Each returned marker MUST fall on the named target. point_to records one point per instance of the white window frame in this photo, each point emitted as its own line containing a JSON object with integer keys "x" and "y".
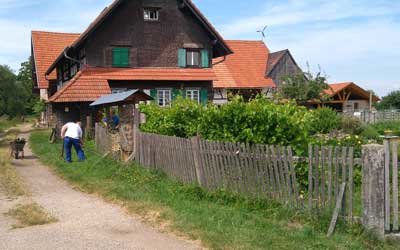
{"x": 190, "y": 94}
{"x": 164, "y": 97}
{"x": 150, "y": 14}
{"x": 191, "y": 63}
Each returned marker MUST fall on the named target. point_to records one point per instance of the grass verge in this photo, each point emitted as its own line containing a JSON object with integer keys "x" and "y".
{"x": 220, "y": 220}
{"x": 30, "y": 215}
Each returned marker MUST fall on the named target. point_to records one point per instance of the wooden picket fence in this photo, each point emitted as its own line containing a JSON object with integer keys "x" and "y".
{"x": 329, "y": 168}
{"x": 259, "y": 171}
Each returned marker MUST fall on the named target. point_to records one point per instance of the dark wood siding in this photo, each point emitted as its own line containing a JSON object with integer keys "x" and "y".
{"x": 285, "y": 67}
{"x": 152, "y": 43}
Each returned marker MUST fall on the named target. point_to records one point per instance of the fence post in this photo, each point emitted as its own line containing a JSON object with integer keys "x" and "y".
{"x": 373, "y": 188}
{"x": 197, "y": 160}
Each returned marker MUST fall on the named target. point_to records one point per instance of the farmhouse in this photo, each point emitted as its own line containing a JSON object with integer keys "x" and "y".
{"x": 166, "y": 48}
{"x": 348, "y": 97}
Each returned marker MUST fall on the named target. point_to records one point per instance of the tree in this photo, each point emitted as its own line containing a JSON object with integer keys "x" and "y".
{"x": 304, "y": 87}
{"x": 24, "y": 79}
{"x": 391, "y": 101}
{"x": 15, "y": 91}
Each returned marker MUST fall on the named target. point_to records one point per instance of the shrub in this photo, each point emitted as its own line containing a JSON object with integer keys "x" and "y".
{"x": 258, "y": 121}
{"x": 324, "y": 120}
{"x": 351, "y": 125}
{"x": 181, "y": 119}
{"x": 381, "y": 127}
{"x": 370, "y": 133}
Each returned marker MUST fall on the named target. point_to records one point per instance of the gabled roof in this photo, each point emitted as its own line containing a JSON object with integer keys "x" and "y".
{"x": 274, "y": 59}
{"x": 336, "y": 88}
{"x": 91, "y": 83}
{"x": 246, "y": 68}
{"x": 46, "y": 47}
{"x": 108, "y": 11}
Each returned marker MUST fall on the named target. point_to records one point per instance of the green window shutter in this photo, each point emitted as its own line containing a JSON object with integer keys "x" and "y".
{"x": 182, "y": 58}
{"x": 121, "y": 57}
{"x": 204, "y": 96}
{"x": 153, "y": 93}
{"x": 205, "y": 58}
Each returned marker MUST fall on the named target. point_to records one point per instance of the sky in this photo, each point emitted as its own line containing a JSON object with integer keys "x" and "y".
{"x": 347, "y": 40}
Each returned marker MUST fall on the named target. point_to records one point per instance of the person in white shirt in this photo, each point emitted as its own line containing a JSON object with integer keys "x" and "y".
{"x": 72, "y": 136}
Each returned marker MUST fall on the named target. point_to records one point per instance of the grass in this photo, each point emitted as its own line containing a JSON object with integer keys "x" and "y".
{"x": 30, "y": 215}
{"x": 10, "y": 182}
{"x": 220, "y": 220}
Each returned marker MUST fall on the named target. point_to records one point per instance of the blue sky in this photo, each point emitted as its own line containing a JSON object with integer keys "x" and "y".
{"x": 350, "y": 40}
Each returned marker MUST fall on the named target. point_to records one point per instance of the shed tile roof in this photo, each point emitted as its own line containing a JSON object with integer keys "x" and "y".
{"x": 47, "y": 46}
{"x": 335, "y": 88}
{"x": 91, "y": 83}
{"x": 245, "y": 68}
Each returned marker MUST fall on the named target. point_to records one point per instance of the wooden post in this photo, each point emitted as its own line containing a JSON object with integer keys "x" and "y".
{"x": 310, "y": 177}
{"x": 197, "y": 160}
{"x": 373, "y": 188}
{"x": 386, "y": 144}
{"x": 395, "y": 161}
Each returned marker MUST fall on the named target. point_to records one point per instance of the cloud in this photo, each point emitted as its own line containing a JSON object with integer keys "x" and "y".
{"x": 19, "y": 17}
{"x": 296, "y": 12}
{"x": 352, "y": 40}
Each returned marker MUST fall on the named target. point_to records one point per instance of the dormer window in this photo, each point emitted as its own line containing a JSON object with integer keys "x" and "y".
{"x": 151, "y": 14}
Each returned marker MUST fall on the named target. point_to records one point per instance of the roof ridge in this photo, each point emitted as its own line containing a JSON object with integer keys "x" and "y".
{"x": 245, "y": 40}
{"x": 280, "y": 51}
{"x": 54, "y": 32}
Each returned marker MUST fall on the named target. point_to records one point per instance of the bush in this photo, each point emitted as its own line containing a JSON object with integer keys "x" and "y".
{"x": 352, "y": 125}
{"x": 324, "y": 120}
{"x": 370, "y": 133}
{"x": 381, "y": 127}
{"x": 258, "y": 121}
{"x": 181, "y": 119}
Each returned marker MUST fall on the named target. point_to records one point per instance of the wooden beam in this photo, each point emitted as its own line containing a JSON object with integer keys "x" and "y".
{"x": 348, "y": 96}
{"x": 337, "y": 210}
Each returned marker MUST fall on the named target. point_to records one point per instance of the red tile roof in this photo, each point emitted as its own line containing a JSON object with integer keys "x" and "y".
{"x": 82, "y": 88}
{"x": 47, "y": 46}
{"x": 246, "y": 68}
{"x": 91, "y": 83}
{"x": 335, "y": 88}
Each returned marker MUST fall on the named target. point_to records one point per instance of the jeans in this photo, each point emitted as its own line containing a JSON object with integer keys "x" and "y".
{"x": 68, "y": 143}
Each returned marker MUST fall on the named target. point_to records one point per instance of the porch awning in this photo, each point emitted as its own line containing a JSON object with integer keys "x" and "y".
{"x": 127, "y": 97}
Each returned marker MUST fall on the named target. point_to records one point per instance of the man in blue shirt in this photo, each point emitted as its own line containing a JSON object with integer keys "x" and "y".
{"x": 115, "y": 120}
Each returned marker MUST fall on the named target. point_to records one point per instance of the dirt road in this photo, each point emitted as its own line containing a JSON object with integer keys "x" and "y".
{"x": 85, "y": 221}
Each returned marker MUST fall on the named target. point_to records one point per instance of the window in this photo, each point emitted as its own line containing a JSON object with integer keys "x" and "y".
{"x": 164, "y": 97}
{"x": 356, "y": 106}
{"x": 193, "y": 58}
{"x": 193, "y": 94}
{"x": 120, "y": 57}
{"x": 151, "y": 15}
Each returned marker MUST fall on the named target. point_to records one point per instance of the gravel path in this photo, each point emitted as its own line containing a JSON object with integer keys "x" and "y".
{"x": 85, "y": 221}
